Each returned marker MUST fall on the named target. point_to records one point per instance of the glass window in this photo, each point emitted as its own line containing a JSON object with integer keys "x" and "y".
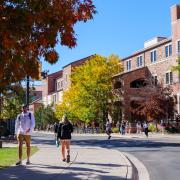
{"x": 169, "y": 78}
{"x": 139, "y": 61}
{"x": 155, "y": 80}
{"x": 153, "y": 56}
{"x": 168, "y": 50}
{"x": 61, "y": 84}
{"x": 54, "y": 98}
{"x": 179, "y": 46}
{"x": 128, "y": 65}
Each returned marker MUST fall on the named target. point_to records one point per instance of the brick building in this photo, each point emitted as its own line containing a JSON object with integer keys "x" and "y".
{"x": 152, "y": 63}
{"x": 56, "y": 83}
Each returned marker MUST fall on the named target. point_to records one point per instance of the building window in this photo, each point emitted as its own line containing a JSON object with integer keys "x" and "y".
{"x": 59, "y": 85}
{"x": 169, "y": 78}
{"x": 54, "y": 98}
{"x": 139, "y": 61}
{"x": 155, "y": 80}
{"x": 66, "y": 78}
{"x": 153, "y": 56}
{"x": 168, "y": 50}
{"x": 179, "y": 47}
{"x": 128, "y": 65}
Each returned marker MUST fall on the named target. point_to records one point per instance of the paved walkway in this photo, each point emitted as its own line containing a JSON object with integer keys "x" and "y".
{"x": 86, "y": 163}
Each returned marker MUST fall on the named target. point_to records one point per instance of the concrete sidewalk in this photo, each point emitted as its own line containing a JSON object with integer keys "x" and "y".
{"x": 86, "y": 163}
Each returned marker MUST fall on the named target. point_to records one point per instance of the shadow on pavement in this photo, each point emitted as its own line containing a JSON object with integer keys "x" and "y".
{"x": 124, "y": 143}
{"x": 22, "y": 172}
{"x": 98, "y": 164}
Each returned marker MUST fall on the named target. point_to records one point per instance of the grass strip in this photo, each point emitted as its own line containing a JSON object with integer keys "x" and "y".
{"x": 9, "y": 155}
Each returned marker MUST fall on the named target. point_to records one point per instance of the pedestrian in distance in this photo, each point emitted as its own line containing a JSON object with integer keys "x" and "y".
{"x": 138, "y": 127}
{"x": 64, "y": 131}
{"x": 55, "y": 128}
{"x": 24, "y": 126}
{"x": 123, "y": 127}
{"x": 108, "y": 129}
{"x": 146, "y": 128}
{"x": 162, "y": 127}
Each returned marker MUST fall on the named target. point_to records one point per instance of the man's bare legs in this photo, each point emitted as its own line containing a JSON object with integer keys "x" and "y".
{"x": 20, "y": 144}
{"x": 28, "y": 152}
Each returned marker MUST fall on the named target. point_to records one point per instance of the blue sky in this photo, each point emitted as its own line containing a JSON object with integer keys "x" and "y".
{"x": 120, "y": 27}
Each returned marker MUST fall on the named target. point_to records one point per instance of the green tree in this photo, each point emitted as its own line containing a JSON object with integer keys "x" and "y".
{"x": 44, "y": 115}
{"x": 11, "y": 101}
{"x": 177, "y": 68}
{"x": 90, "y": 94}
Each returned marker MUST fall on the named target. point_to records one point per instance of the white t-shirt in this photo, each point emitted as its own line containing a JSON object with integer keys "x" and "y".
{"x": 24, "y": 122}
{"x": 145, "y": 125}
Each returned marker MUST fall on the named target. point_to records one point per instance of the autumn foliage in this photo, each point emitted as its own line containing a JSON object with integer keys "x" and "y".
{"x": 89, "y": 96}
{"x": 30, "y": 29}
{"x": 159, "y": 104}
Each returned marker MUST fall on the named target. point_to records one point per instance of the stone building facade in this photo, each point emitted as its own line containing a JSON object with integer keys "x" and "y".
{"x": 153, "y": 63}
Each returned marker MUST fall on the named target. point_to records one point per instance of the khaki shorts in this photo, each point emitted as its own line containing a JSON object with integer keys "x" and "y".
{"x": 26, "y": 138}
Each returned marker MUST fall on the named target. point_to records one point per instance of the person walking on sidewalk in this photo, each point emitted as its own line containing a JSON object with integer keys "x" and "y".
{"x": 108, "y": 129}
{"x": 55, "y": 128}
{"x": 138, "y": 127}
{"x": 146, "y": 128}
{"x": 24, "y": 126}
{"x": 64, "y": 131}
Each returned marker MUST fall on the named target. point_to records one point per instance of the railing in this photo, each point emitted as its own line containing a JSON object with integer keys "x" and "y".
{"x": 87, "y": 130}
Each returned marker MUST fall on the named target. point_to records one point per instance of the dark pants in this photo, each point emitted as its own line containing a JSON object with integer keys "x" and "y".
{"x": 146, "y": 131}
{"x": 108, "y": 132}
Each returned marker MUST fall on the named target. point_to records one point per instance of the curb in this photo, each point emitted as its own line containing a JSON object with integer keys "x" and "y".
{"x": 142, "y": 170}
{"x": 129, "y": 166}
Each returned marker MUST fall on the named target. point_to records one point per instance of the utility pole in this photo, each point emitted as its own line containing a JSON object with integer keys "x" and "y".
{"x": 27, "y": 91}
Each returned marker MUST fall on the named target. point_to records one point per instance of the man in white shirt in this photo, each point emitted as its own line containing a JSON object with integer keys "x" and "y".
{"x": 24, "y": 126}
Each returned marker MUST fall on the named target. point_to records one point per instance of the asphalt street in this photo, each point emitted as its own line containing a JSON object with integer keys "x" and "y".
{"x": 160, "y": 156}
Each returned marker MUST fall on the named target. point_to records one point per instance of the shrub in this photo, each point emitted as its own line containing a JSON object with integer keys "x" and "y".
{"x": 152, "y": 128}
{"x": 115, "y": 130}
{"x": 172, "y": 130}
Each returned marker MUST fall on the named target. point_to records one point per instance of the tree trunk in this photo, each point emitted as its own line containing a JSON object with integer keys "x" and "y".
{"x": 0, "y": 144}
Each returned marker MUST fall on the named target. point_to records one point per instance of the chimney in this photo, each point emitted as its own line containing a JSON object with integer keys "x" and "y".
{"x": 175, "y": 13}
{"x": 175, "y": 25}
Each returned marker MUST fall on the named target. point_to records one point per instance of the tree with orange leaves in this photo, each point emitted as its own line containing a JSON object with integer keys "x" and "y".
{"x": 159, "y": 104}
{"x": 30, "y": 29}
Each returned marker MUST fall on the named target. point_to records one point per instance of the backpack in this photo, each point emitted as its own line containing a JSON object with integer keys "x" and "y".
{"x": 28, "y": 115}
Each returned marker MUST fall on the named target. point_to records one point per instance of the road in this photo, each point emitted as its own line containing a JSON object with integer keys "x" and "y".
{"x": 160, "y": 156}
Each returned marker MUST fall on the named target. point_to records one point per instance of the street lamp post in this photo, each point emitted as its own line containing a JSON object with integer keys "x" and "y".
{"x": 27, "y": 91}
